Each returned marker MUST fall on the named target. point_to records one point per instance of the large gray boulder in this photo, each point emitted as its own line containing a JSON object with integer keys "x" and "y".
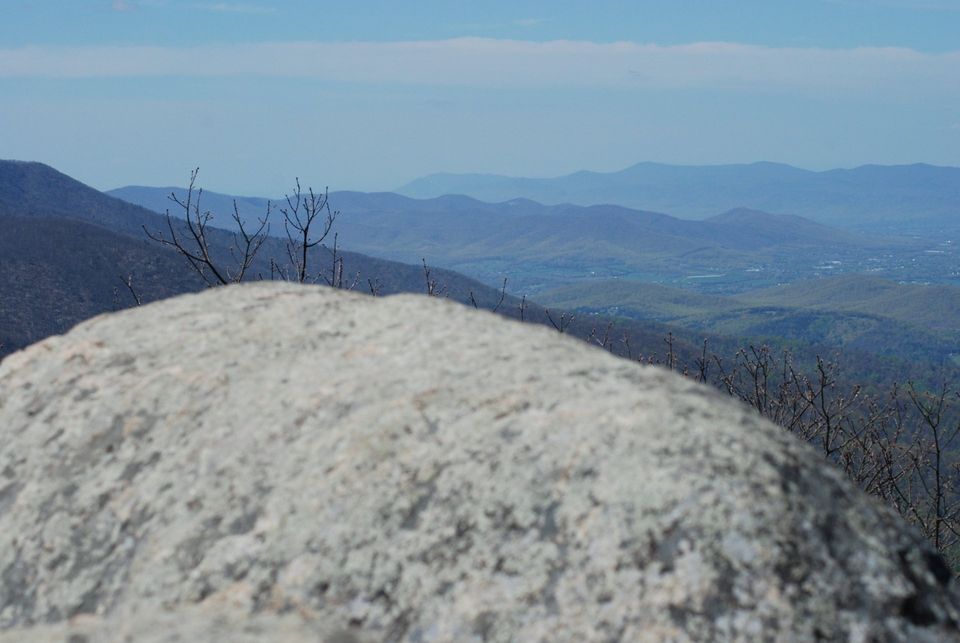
{"x": 274, "y": 462}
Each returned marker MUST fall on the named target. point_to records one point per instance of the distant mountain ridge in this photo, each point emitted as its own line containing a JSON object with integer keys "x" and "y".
{"x": 861, "y": 197}
{"x": 740, "y": 227}
{"x": 530, "y": 238}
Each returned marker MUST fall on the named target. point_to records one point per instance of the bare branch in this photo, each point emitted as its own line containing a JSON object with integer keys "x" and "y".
{"x": 128, "y": 282}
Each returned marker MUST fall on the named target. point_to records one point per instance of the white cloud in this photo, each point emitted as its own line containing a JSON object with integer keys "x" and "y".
{"x": 512, "y": 63}
{"x": 121, "y": 5}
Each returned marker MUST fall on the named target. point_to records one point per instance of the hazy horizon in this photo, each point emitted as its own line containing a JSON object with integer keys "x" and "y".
{"x": 214, "y": 189}
{"x": 371, "y": 96}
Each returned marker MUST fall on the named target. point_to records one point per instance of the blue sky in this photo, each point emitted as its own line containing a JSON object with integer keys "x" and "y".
{"x": 369, "y": 95}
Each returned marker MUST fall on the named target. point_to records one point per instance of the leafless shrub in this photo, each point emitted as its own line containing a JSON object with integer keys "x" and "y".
{"x": 304, "y": 212}
{"x": 194, "y": 243}
{"x": 562, "y": 323}
{"x": 433, "y": 286}
{"x": 308, "y": 221}
{"x": 898, "y": 446}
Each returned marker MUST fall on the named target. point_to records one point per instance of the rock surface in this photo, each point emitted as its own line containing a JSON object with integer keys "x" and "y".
{"x": 318, "y": 464}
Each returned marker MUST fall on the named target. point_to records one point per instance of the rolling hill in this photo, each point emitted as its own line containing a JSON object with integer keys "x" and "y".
{"x": 635, "y": 298}
{"x": 540, "y": 245}
{"x": 858, "y": 312}
{"x": 935, "y": 307}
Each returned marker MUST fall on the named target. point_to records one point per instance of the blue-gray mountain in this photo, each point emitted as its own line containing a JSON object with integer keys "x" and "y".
{"x": 924, "y": 197}
{"x": 540, "y": 246}
{"x": 568, "y": 255}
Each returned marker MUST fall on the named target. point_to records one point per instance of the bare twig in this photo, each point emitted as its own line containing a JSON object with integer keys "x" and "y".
{"x": 128, "y": 282}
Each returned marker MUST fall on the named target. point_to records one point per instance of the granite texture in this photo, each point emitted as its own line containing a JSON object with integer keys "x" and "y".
{"x": 327, "y": 465}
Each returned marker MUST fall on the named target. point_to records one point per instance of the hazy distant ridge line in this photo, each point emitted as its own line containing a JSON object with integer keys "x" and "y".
{"x": 856, "y": 198}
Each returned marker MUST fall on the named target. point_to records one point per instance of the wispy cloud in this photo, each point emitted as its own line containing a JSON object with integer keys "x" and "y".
{"x": 121, "y": 5}
{"x": 513, "y": 63}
